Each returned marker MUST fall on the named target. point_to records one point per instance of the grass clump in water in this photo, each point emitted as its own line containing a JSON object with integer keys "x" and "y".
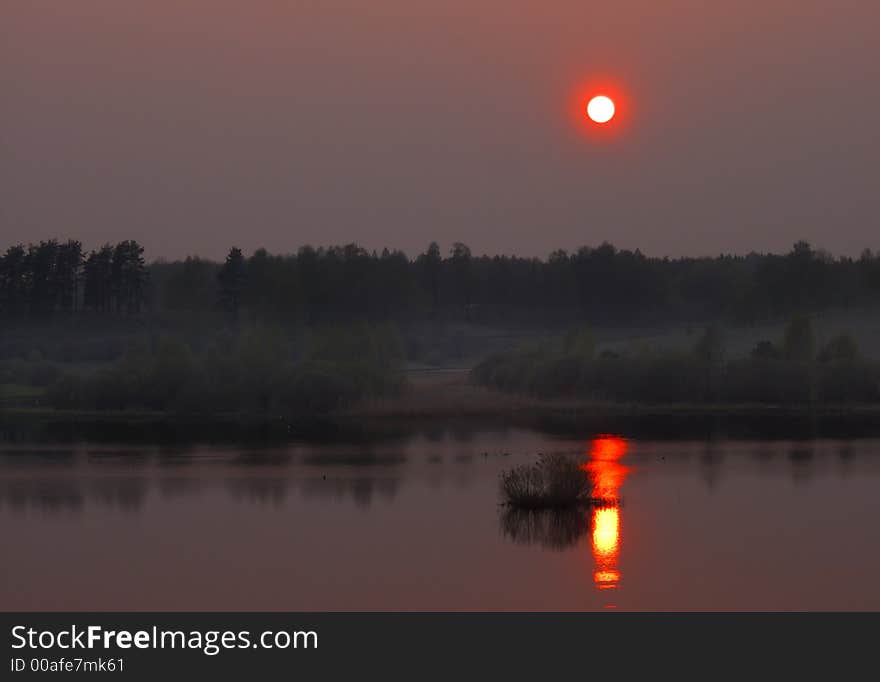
{"x": 555, "y": 481}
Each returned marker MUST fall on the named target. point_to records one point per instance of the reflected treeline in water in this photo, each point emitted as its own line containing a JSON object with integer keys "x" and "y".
{"x": 72, "y": 495}
{"x": 801, "y": 460}
{"x": 129, "y": 494}
{"x": 177, "y": 487}
{"x": 362, "y": 489}
{"x": 71, "y": 478}
{"x": 53, "y": 496}
{"x": 262, "y": 490}
{"x": 56, "y": 478}
{"x": 369, "y": 458}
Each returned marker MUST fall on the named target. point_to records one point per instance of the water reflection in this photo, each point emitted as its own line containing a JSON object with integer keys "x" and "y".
{"x": 606, "y": 546}
{"x": 608, "y": 475}
{"x": 200, "y": 518}
{"x": 556, "y": 529}
{"x": 50, "y": 497}
{"x": 130, "y": 495}
{"x": 604, "y": 467}
{"x": 561, "y": 529}
{"x": 362, "y": 490}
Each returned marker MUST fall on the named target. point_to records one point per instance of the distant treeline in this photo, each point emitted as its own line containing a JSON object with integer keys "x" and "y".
{"x": 600, "y": 285}
{"x": 789, "y": 371}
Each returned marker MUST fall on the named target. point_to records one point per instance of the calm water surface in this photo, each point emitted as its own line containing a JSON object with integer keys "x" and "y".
{"x": 415, "y": 525}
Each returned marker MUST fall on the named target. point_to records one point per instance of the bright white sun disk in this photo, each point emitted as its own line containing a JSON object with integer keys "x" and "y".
{"x": 600, "y": 109}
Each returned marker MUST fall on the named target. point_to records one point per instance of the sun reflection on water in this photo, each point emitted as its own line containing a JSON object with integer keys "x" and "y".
{"x": 606, "y": 532}
{"x": 607, "y": 475}
{"x": 606, "y": 546}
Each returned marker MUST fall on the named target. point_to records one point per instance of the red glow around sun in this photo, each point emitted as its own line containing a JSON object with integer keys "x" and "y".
{"x": 579, "y": 99}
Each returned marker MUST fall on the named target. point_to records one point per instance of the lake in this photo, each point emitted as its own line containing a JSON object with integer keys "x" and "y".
{"x": 414, "y": 523}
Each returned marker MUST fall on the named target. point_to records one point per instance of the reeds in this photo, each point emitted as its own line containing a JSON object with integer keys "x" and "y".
{"x": 555, "y": 481}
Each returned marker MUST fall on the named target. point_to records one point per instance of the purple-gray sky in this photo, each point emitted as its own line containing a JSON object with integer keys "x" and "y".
{"x": 191, "y": 125}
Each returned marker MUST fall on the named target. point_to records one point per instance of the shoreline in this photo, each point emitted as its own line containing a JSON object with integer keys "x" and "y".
{"x": 450, "y": 395}
{"x": 449, "y": 400}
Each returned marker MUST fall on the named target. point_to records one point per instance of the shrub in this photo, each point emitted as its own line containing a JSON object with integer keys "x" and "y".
{"x": 511, "y": 370}
{"x": 766, "y": 381}
{"x": 32, "y": 372}
{"x": 253, "y": 372}
{"x": 553, "y": 482}
{"x": 579, "y": 343}
{"x": 842, "y": 348}
{"x": 710, "y": 348}
{"x": 559, "y": 375}
{"x": 848, "y": 382}
{"x": 768, "y": 375}
{"x": 66, "y": 393}
{"x": 320, "y": 388}
{"x": 799, "y": 342}
{"x": 765, "y": 350}
{"x": 173, "y": 367}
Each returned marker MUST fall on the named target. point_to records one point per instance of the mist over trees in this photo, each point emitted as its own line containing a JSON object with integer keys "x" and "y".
{"x": 316, "y": 331}
{"x": 258, "y": 370}
{"x": 315, "y": 286}
{"x": 788, "y": 371}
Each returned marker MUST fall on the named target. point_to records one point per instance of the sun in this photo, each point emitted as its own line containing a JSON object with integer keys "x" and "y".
{"x": 600, "y": 109}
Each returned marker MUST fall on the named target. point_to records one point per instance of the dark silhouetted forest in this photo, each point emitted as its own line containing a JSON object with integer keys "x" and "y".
{"x": 57, "y": 278}
{"x": 602, "y": 285}
{"x": 319, "y": 330}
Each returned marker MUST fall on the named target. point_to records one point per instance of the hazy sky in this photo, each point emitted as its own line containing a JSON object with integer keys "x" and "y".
{"x": 192, "y": 125}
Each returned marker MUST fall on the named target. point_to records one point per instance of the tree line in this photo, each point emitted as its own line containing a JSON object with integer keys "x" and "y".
{"x": 57, "y": 278}
{"x": 597, "y": 285}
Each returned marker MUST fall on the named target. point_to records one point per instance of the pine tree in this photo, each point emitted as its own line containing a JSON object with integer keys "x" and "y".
{"x": 231, "y": 278}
